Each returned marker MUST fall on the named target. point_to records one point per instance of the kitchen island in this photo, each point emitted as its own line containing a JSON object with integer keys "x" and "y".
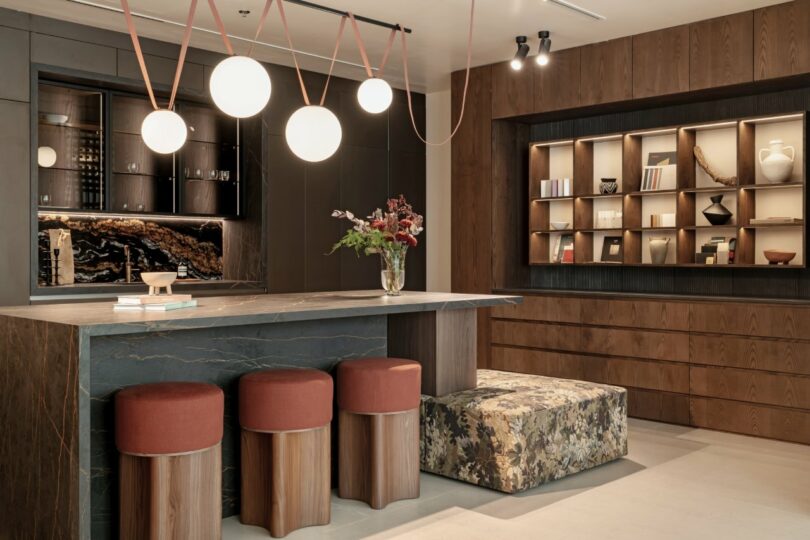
{"x": 60, "y": 366}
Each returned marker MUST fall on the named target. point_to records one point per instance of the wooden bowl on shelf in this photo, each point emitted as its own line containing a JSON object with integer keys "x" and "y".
{"x": 776, "y": 256}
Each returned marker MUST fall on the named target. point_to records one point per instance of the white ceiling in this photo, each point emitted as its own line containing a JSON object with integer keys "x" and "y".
{"x": 437, "y": 45}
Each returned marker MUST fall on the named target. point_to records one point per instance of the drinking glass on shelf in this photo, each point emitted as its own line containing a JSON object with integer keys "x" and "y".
{"x": 185, "y": 172}
{"x": 212, "y": 174}
{"x": 44, "y": 199}
{"x": 140, "y": 208}
{"x": 226, "y": 175}
{"x": 198, "y": 173}
{"x": 132, "y": 167}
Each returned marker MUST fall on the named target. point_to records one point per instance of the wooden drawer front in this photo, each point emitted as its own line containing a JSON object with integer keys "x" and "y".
{"x": 659, "y": 406}
{"x": 638, "y": 374}
{"x": 636, "y": 343}
{"x": 784, "y": 424}
{"x": 542, "y": 308}
{"x": 636, "y": 314}
{"x": 539, "y": 335}
{"x": 751, "y": 320}
{"x": 769, "y": 355}
{"x": 752, "y": 386}
{"x": 547, "y": 363}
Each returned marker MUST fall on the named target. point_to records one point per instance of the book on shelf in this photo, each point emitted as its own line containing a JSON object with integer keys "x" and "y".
{"x": 659, "y": 178}
{"x": 556, "y": 187}
{"x": 662, "y": 220}
{"x": 776, "y": 220}
{"x": 564, "y": 249}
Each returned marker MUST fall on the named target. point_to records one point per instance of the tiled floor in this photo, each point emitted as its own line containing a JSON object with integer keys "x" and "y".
{"x": 676, "y": 483}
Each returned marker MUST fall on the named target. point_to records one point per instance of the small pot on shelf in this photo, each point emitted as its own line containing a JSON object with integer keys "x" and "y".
{"x": 608, "y": 186}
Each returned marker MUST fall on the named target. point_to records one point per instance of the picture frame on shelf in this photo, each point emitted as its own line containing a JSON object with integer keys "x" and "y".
{"x": 612, "y": 249}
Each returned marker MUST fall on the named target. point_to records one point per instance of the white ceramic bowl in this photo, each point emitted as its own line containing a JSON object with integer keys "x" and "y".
{"x": 158, "y": 280}
{"x": 559, "y": 225}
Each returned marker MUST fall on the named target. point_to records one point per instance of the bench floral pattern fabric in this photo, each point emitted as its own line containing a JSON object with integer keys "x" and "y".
{"x": 516, "y": 431}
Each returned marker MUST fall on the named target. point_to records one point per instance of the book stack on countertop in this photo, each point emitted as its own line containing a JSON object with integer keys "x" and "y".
{"x": 161, "y": 302}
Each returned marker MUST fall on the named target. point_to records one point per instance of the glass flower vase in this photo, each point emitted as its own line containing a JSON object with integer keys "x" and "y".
{"x": 392, "y": 274}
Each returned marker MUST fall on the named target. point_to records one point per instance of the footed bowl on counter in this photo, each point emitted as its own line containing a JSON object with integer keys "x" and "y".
{"x": 159, "y": 280}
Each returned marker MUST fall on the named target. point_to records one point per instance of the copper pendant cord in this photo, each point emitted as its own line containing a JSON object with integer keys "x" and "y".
{"x": 221, "y": 26}
{"x": 466, "y": 83}
{"x": 364, "y": 55}
{"x": 136, "y": 44}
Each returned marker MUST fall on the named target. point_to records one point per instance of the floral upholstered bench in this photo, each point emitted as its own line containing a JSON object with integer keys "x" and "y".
{"x": 515, "y": 431}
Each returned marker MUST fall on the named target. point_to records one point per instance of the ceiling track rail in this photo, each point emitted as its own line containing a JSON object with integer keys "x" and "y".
{"x": 147, "y": 17}
{"x": 579, "y": 9}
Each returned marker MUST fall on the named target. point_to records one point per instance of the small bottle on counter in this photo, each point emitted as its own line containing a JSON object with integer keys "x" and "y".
{"x": 182, "y": 270}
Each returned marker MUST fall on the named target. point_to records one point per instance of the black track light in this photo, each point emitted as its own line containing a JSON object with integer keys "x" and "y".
{"x": 545, "y": 48}
{"x": 520, "y": 55}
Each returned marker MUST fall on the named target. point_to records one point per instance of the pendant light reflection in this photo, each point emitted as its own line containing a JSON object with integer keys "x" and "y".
{"x": 313, "y": 133}
{"x": 46, "y": 156}
{"x": 164, "y": 131}
{"x": 375, "y": 95}
{"x": 240, "y": 86}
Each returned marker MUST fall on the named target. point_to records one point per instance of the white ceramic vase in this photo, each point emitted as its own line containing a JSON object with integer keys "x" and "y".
{"x": 777, "y": 166}
{"x": 658, "y": 250}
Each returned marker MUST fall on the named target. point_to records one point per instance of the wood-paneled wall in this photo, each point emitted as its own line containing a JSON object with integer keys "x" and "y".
{"x": 733, "y": 366}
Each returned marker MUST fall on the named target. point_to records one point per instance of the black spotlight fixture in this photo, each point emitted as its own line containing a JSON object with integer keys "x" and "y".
{"x": 545, "y": 48}
{"x": 520, "y": 55}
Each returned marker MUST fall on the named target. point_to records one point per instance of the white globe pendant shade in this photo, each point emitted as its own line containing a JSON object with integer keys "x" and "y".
{"x": 240, "y": 86}
{"x": 46, "y": 156}
{"x": 313, "y": 133}
{"x": 164, "y": 131}
{"x": 374, "y": 95}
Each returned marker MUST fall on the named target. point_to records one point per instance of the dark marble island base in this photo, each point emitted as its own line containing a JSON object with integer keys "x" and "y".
{"x": 62, "y": 364}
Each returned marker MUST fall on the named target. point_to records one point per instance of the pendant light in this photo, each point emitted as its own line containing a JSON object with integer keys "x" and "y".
{"x": 313, "y": 132}
{"x": 239, "y": 85}
{"x": 163, "y": 130}
{"x": 374, "y": 94}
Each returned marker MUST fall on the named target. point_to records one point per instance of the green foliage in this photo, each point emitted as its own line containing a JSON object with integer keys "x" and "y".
{"x": 367, "y": 242}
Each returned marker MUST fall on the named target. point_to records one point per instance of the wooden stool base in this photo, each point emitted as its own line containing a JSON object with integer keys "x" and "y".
{"x": 378, "y": 457}
{"x": 171, "y": 496}
{"x": 286, "y": 482}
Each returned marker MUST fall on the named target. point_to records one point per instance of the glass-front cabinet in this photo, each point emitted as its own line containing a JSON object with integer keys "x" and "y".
{"x": 70, "y": 151}
{"x": 81, "y": 130}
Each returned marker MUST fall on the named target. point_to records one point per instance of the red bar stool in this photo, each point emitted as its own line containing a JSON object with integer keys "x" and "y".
{"x": 286, "y": 449}
{"x": 170, "y": 476}
{"x": 378, "y": 426}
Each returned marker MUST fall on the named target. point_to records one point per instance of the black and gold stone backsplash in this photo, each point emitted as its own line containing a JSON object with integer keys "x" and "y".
{"x": 154, "y": 246}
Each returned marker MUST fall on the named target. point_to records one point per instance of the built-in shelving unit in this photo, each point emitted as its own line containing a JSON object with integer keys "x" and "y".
{"x": 673, "y": 195}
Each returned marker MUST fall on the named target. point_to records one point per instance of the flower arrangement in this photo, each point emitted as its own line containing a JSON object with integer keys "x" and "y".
{"x": 389, "y": 233}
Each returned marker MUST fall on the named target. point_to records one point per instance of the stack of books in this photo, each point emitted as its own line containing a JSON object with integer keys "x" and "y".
{"x": 163, "y": 302}
{"x": 555, "y": 188}
{"x": 776, "y": 221}
{"x": 662, "y": 220}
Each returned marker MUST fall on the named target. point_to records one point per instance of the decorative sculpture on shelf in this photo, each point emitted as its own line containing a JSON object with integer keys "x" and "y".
{"x": 701, "y": 160}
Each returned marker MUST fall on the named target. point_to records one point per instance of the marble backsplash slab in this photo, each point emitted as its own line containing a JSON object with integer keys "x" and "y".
{"x": 98, "y": 247}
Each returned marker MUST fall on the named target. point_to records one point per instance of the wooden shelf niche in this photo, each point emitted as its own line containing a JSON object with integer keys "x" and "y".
{"x": 730, "y": 147}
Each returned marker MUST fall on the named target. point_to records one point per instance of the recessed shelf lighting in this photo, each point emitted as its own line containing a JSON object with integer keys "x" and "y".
{"x": 554, "y": 143}
{"x": 616, "y": 137}
{"x": 666, "y": 131}
{"x": 769, "y": 119}
{"x": 715, "y": 125}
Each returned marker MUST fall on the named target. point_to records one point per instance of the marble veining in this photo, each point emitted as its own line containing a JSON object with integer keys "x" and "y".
{"x": 98, "y": 247}
{"x": 97, "y": 318}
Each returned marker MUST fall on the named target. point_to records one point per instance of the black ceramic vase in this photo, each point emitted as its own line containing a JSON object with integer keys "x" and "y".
{"x": 716, "y": 213}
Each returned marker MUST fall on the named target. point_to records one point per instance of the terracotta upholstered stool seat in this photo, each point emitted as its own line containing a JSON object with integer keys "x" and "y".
{"x": 169, "y": 436}
{"x": 285, "y": 416}
{"x": 378, "y": 423}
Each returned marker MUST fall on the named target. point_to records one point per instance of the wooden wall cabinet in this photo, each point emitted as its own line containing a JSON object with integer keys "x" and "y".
{"x": 557, "y": 85}
{"x": 512, "y": 90}
{"x": 661, "y": 62}
{"x": 782, "y": 40}
{"x": 607, "y": 71}
{"x": 721, "y": 51}
{"x": 739, "y": 367}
